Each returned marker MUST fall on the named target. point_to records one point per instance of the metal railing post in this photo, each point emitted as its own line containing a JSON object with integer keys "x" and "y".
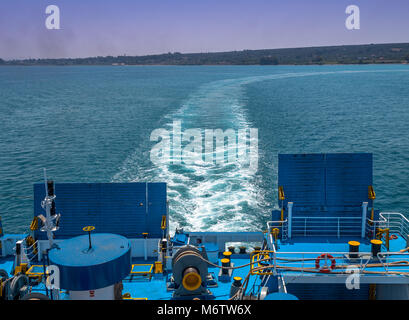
{"x": 290, "y": 218}
{"x": 364, "y": 211}
{"x": 275, "y": 263}
{"x": 401, "y": 228}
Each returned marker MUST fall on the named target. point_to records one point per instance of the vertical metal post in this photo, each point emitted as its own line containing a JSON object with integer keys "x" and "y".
{"x": 18, "y": 259}
{"x": 290, "y": 218}
{"x": 364, "y": 212}
{"x": 145, "y": 251}
{"x": 48, "y": 263}
{"x": 374, "y": 230}
{"x": 401, "y": 226}
{"x": 145, "y": 245}
{"x": 89, "y": 240}
{"x": 275, "y": 262}
{"x": 45, "y": 272}
{"x": 48, "y": 204}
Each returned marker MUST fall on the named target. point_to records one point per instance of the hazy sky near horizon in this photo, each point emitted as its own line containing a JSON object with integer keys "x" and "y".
{"x": 139, "y": 27}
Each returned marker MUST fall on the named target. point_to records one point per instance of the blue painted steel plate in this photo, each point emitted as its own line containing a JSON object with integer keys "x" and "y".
{"x": 211, "y": 247}
{"x": 325, "y": 180}
{"x": 127, "y": 209}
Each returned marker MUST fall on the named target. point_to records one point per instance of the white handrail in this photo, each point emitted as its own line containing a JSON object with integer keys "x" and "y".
{"x": 395, "y": 221}
{"x": 335, "y": 227}
{"x": 279, "y": 224}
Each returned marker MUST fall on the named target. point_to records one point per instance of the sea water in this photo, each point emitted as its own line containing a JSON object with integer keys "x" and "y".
{"x": 94, "y": 123}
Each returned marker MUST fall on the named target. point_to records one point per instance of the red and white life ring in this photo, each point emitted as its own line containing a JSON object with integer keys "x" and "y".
{"x": 325, "y": 269}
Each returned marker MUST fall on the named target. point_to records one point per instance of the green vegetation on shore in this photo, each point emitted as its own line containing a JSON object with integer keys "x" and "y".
{"x": 351, "y": 54}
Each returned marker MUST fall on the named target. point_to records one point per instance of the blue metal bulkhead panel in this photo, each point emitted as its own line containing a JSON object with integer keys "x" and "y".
{"x": 325, "y": 180}
{"x": 347, "y": 179}
{"x": 80, "y": 268}
{"x": 157, "y": 206}
{"x": 303, "y": 178}
{"x": 127, "y": 209}
{"x": 325, "y": 186}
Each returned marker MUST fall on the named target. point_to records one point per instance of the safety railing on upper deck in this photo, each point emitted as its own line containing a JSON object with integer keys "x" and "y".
{"x": 326, "y": 226}
{"x": 31, "y": 252}
{"x": 393, "y": 221}
{"x": 336, "y": 263}
{"x": 281, "y": 226}
{"x": 318, "y": 226}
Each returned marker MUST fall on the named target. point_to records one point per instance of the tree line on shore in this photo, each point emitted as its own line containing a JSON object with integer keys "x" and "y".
{"x": 351, "y": 54}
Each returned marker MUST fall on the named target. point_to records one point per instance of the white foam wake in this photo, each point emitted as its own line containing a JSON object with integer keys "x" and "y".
{"x": 223, "y": 197}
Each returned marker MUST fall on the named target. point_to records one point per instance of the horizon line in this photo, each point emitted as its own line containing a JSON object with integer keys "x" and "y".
{"x": 211, "y": 52}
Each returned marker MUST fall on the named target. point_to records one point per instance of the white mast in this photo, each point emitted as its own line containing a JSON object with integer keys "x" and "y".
{"x": 49, "y": 223}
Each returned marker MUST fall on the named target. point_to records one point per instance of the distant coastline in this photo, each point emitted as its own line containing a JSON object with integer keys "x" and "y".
{"x": 394, "y": 53}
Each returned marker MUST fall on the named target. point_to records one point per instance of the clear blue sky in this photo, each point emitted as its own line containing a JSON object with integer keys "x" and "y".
{"x": 138, "y": 27}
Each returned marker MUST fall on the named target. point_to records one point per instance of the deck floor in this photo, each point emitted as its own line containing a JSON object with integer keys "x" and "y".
{"x": 151, "y": 288}
{"x": 290, "y": 252}
{"x": 155, "y": 289}
{"x": 140, "y": 286}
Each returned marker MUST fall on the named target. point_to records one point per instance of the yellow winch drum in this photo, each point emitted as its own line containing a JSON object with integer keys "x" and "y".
{"x": 190, "y": 270}
{"x": 191, "y": 279}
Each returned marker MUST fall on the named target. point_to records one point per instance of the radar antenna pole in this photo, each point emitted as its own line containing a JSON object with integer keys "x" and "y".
{"x": 47, "y": 205}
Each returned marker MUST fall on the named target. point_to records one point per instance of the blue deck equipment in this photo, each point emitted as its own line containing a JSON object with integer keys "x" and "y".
{"x": 127, "y": 209}
{"x": 305, "y": 255}
{"x": 327, "y": 192}
{"x": 107, "y": 262}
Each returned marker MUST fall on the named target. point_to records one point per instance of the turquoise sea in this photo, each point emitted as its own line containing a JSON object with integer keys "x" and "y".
{"x": 93, "y": 124}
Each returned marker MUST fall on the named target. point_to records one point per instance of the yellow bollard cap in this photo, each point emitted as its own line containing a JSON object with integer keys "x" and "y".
{"x": 376, "y": 241}
{"x": 227, "y": 254}
{"x": 225, "y": 260}
{"x": 354, "y": 243}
